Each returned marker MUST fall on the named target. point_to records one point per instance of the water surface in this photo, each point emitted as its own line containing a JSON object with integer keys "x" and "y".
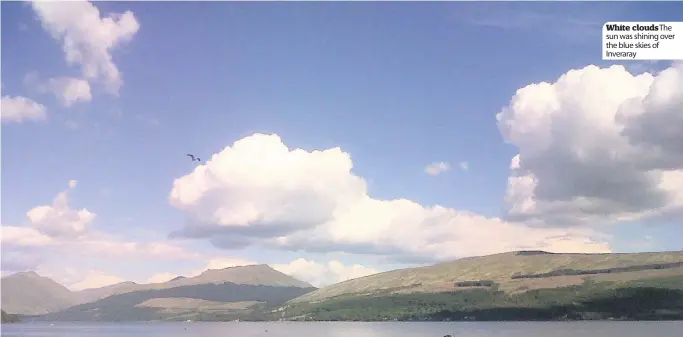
{"x": 347, "y": 329}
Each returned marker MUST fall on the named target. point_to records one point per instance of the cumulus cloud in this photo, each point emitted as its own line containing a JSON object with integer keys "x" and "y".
{"x": 70, "y": 90}
{"x": 78, "y": 279}
{"x": 113, "y": 248}
{"x": 59, "y": 219}
{"x": 88, "y": 38}
{"x": 17, "y": 109}
{"x": 311, "y": 201}
{"x": 322, "y": 274}
{"x": 95, "y": 279}
{"x": 464, "y": 165}
{"x": 315, "y": 273}
{"x": 437, "y": 168}
{"x": 161, "y": 278}
{"x": 597, "y": 145}
{"x": 67, "y": 90}
{"x": 24, "y": 236}
{"x": 58, "y": 230}
{"x": 259, "y": 186}
{"x": 214, "y": 263}
{"x": 227, "y": 262}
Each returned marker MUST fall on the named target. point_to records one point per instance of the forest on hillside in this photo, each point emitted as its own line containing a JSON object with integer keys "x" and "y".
{"x": 9, "y": 318}
{"x": 655, "y": 299}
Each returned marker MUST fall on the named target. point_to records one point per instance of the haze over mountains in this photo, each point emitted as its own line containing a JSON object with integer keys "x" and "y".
{"x": 509, "y": 280}
{"x": 28, "y": 293}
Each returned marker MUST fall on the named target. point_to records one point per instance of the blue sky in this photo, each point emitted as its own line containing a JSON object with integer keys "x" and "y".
{"x": 395, "y": 85}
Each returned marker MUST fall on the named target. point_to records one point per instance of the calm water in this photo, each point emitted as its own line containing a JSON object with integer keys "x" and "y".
{"x": 393, "y": 329}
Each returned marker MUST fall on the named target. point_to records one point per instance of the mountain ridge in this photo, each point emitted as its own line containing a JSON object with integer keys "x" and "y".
{"x": 511, "y": 285}
{"x": 18, "y": 287}
{"x": 499, "y": 268}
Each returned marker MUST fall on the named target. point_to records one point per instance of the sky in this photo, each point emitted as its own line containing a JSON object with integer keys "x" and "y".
{"x": 337, "y": 140}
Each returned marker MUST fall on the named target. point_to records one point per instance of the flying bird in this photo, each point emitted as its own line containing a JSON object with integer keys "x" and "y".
{"x": 194, "y": 158}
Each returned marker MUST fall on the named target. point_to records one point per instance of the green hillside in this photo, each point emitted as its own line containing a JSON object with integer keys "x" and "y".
{"x": 510, "y": 286}
{"x": 184, "y": 302}
{"x": 512, "y": 272}
{"x": 9, "y": 318}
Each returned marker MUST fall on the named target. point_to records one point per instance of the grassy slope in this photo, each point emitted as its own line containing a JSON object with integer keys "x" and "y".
{"x": 248, "y": 275}
{"x": 130, "y": 306}
{"x": 9, "y": 318}
{"x": 651, "y": 299}
{"x": 499, "y": 268}
{"x": 30, "y": 293}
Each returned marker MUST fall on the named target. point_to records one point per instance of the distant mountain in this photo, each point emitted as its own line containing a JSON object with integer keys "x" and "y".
{"x": 9, "y": 318}
{"x": 234, "y": 290}
{"x": 94, "y": 294}
{"x": 179, "y": 303}
{"x": 260, "y": 274}
{"x": 31, "y": 294}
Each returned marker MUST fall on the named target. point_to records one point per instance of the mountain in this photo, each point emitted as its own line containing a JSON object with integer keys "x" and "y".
{"x": 517, "y": 285}
{"x": 261, "y": 274}
{"x": 227, "y": 292}
{"x": 209, "y": 301}
{"x": 31, "y": 294}
{"x": 513, "y": 272}
{"x": 9, "y": 318}
{"x": 94, "y": 294}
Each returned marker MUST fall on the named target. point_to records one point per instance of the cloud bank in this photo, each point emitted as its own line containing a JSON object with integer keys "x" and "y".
{"x": 260, "y": 192}
{"x": 596, "y": 146}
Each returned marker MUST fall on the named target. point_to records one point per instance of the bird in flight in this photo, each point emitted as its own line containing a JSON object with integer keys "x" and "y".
{"x": 193, "y": 157}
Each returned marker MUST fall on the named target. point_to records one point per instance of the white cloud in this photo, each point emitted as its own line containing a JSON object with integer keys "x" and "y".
{"x": 87, "y": 38}
{"x": 79, "y": 279}
{"x": 319, "y": 274}
{"x": 67, "y": 90}
{"x": 161, "y": 278}
{"x": 57, "y": 230}
{"x": 24, "y": 236}
{"x": 258, "y": 182}
{"x": 226, "y": 262}
{"x": 70, "y": 90}
{"x": 17, "y": 109}
{"x": 597, "y": 145}
{"x": 112, "y": 248}
{"x": 437, "y": 168}
{"x": 59, "y": 219}
{"x": 95, "y": 279}
{"x": 301, "y": 200}
{"x": 214, "y": 263}
{"x": 464, "y": 165}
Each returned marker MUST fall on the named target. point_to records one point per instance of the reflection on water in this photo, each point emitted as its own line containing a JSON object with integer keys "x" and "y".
{"x": 350, "y": 329}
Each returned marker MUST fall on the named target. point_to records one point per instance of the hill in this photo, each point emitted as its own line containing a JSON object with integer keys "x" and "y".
{"x": 512, "y": 272}
{"x": 9, "y": 318}
{"x": 201, "y": 301}
{"x": 94, "y": 294}
{"x": 260, "y": 274}
{"x": 28, "y": 293}
{"x": 32, "y": 294}
{"x": 517, "y": 285}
